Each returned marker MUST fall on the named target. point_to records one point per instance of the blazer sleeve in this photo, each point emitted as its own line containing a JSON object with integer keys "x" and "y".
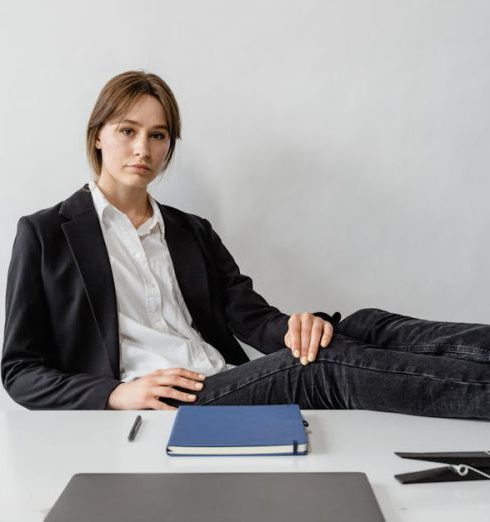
{"x": 28, "y": 366}
{"x": 249, "y": 316}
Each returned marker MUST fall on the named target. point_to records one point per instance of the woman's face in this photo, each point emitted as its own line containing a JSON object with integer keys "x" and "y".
{"x": 134, "y": 150}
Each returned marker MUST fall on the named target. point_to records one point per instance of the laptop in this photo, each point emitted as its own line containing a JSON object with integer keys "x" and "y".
{"x": 217, "y": 497}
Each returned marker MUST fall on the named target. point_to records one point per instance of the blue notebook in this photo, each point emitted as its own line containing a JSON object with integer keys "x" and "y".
{"x": 238, "y": 430}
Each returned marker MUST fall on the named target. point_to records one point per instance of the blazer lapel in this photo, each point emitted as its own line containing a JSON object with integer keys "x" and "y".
{"x": 189, "y": 268}
{"x": 87, "y": 245}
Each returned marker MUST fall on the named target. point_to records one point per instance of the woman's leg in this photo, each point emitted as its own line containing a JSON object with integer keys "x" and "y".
{"x": 407, "y": 334}
{"x": 351, "y": 374}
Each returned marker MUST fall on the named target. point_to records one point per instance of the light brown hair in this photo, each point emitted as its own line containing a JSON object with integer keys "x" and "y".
{"x": 117, "y": 97}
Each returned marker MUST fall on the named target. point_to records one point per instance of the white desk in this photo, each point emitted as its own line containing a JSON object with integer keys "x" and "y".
{"x": 40, "y": 451}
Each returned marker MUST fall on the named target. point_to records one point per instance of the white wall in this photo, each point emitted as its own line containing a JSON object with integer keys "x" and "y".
{"x": 339, "y": 147}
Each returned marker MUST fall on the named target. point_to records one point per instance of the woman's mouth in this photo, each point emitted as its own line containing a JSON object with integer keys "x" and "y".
{"x": 140, "y": 167}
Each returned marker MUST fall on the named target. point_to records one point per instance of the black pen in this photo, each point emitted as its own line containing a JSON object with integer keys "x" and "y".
{"x": 134, "y": 428}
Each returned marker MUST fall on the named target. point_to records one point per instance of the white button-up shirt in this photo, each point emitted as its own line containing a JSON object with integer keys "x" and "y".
{"x": 155, "y": 329}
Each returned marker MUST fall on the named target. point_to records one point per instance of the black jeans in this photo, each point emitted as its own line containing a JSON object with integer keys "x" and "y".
{"x": 376, "y": 361}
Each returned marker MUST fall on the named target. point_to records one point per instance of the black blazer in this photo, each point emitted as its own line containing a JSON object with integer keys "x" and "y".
{"x": 61, "y": 343}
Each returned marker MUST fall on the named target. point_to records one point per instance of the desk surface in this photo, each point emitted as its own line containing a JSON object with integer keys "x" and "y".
{"x": 40, "y": 451}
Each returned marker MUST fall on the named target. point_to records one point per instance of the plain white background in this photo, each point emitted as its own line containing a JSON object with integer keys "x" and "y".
{"x": 340, "y": 148}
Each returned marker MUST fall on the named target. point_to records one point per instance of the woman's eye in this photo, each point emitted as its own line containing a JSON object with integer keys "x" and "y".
{"x": 158, "y": 136}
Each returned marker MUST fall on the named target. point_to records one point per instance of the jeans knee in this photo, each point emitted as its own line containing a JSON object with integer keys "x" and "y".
{"x": 370, "y": 311}
{"x": 362, "y": 315}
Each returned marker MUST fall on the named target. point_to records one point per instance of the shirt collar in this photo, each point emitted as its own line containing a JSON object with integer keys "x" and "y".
{"x": 156, "y": 219}
{"x": 102, "y": 206}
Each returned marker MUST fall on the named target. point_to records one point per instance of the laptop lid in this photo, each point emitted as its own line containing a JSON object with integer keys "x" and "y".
{"x": 217, "y": 497}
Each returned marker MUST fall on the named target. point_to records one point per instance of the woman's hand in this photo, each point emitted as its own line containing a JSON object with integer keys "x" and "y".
{"x": 305, "y": 333}
{"x": 145, "y": 392}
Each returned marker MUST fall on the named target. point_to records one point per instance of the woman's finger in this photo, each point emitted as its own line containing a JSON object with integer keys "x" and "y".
{"x": 306, "y": 326}
{"x": 172, "y": 393}
{"x": 183, "y": 372}
{"x": 327, "y": 334}
{"x": 294, "y": 332}
{"x": 316, "y": 334}
{"x": 176, "y": 380}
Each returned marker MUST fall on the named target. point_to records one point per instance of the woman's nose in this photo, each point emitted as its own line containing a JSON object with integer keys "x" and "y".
{"x": 141, "y": 147}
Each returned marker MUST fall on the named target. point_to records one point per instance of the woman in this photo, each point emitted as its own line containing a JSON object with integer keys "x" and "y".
{"x": 116, "y": 301}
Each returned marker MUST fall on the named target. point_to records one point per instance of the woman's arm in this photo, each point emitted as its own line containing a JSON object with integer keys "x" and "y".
{"x": 31, "y": 371}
